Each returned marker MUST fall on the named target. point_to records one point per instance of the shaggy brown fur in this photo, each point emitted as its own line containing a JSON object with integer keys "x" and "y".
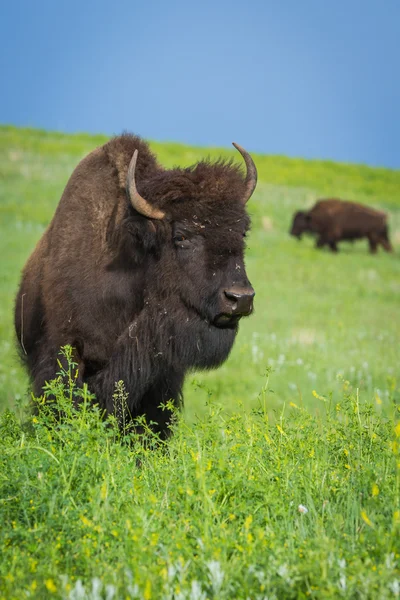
{"x": 334, "y": 220}
{"x": 139, "y": 299}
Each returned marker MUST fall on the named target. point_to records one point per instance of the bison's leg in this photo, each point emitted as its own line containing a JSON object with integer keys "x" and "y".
{"x": 159, "y": 394}
{"x": 321, "y": 241}
{"x": 142, "y": 400}
{"x": 141, "y": 360}
{"x": 333, "y": 247}
{"x": 44, "y": 370}
{"x": 46, "y": 367}
{"x": 30, "y": 327}
{"x": 373, "y": 242}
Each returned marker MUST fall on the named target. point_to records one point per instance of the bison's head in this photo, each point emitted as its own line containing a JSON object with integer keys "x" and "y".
{"x": 198, "y": 221}
{"x": 301, "y": 224}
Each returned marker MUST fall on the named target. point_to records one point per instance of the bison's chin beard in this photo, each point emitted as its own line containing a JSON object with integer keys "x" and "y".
{"x": 224, "y": 321}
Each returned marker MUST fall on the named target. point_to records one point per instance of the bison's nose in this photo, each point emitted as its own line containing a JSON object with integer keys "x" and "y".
{"x": 241, "y": 300}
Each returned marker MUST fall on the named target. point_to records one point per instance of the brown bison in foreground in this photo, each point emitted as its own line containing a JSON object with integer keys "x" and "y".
{"x": 335, "y": 220}
{"x": 142, "y": 271}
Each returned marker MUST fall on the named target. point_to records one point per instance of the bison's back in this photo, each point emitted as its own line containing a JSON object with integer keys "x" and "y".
{"x": 349, "y": 220}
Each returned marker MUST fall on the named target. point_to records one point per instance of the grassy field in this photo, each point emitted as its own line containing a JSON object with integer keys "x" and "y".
{"x": 304, "y": 412}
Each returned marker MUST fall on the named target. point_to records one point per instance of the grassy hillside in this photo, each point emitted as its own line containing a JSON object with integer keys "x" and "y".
{"x": 282, "y": 479}
{"x": 318, "y": 317}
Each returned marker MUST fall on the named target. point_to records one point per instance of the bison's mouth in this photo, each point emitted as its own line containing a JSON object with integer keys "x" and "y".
{"x": 224, "y": 321}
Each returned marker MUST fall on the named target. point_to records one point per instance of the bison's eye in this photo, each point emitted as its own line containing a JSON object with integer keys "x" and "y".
{"x": 181, "y": 241}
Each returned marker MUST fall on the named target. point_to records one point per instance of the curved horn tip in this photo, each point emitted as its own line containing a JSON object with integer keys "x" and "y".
{"x": 251, "y": 175}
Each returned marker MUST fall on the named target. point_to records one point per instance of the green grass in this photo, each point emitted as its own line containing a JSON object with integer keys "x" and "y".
{"x": 231, "y": 507}
{"x": 221, "y": 500}
{"x": 317, "y": 315}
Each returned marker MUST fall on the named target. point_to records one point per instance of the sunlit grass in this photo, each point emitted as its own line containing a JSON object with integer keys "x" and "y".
{"x": 236, "y": 506}
{"x": 282, "y": 477}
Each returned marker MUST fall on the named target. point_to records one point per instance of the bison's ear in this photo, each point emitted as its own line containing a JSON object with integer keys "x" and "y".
{"x": 143, "y": 234}
{"x": 132, "y": 241}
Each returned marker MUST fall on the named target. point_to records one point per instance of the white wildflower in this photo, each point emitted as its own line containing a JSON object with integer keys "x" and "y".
{"x": 342, "y": 582}
{"x": 196, "y": 592}
{"x": 96, "y": 588}
{"x": 283, "y": 571}
{"x": 133, "y": 590}
{"x": 302, "y": 509}
{"x": 110, "y": 591}
{"x": 200, "y": 543}
{"x": 258, "y": 574}
{"x": 216, "y": 575}
{"x": 395, "y": 587}
{"x": 77, "y": 592}
{"x": 390, "y": 561}
{"x": 171, "y": 572}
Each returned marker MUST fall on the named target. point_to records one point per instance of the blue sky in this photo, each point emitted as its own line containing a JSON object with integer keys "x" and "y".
{"x": 302, "y": 78}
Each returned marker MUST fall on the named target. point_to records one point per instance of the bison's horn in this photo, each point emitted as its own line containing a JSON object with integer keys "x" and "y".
{"x": 138, "y": 202}
{"x": 251, "y": 176}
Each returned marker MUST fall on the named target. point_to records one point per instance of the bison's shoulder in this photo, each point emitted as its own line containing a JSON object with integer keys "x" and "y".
{"x": 119, "y": 151}
{"x": 328, "y": 206}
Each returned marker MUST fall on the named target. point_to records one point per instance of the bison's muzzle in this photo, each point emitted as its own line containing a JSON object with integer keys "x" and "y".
{"x": 237, "y": 303}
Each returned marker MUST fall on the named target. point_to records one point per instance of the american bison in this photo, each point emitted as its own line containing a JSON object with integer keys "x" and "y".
{"x": 334, "y": 220}
{"x": 141, "y": 271}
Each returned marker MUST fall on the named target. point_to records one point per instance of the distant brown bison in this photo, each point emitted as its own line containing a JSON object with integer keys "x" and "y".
{"x": 334, "y": 220}
{"x": 142, "y": 271}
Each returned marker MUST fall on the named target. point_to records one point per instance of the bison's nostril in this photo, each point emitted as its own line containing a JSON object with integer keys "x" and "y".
{"x": 242, "y": 300}
{"x": 236, "y": 295}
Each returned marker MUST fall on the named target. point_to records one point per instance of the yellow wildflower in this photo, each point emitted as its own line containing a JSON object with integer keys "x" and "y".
{"x": 366, "y": 519}
{"x": 375, "y": 489}
{"x": 50, "y": 585}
